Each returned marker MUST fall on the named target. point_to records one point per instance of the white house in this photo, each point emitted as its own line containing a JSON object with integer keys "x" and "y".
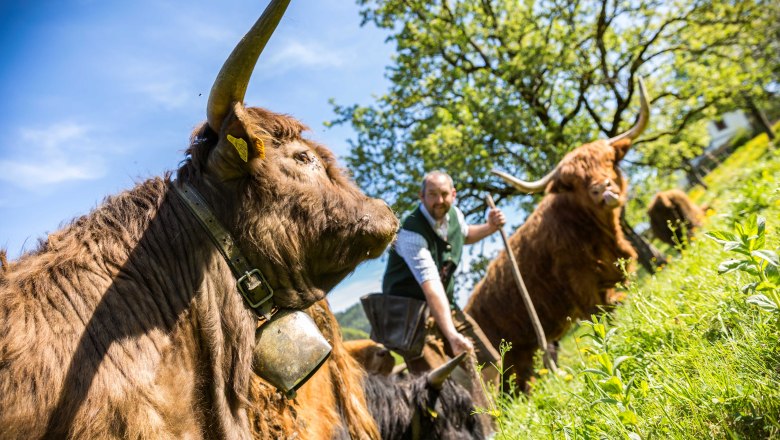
{"x": 723, "y": 129}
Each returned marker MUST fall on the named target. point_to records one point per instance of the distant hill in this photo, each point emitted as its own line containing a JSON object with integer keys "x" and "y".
{"x": 353, "y": 322}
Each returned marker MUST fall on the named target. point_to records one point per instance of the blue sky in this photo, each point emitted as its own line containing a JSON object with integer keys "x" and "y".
{"x": 99, "y": 95}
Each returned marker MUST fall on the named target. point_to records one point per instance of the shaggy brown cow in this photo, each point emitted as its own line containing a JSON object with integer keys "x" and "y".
{"x": 672, "y": 209}
{"x": 567, "y": 250}
{"x": 373, "y": 357}
{"x": 127, "y": 323}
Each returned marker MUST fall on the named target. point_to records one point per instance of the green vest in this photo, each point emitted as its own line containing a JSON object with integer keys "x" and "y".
{"x": 400, "y": 281}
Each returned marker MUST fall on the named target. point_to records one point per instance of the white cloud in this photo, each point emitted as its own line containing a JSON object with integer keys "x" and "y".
{"x": 53, "y": 155}
{"x": 170, "y": 94}
{"x": 294, "y": 54}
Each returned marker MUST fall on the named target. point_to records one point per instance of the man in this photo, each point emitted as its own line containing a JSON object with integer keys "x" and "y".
{"x": 421, "y": 266}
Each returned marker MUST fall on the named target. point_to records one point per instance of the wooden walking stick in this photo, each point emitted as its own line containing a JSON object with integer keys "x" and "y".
{"x": 529, "y": 305}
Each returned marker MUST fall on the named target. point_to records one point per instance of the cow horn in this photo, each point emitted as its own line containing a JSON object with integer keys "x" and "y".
{"x": 522, "y": 185}
{"x": 644, "y": 116}
{"x": 437, "y": 377}
{"x": 230, "y": 85}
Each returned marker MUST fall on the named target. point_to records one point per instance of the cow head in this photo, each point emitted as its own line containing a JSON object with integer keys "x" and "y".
{"x": 372, "y": 356}
{"x": 590, "y": 172}
{"x": 295, "y": 214}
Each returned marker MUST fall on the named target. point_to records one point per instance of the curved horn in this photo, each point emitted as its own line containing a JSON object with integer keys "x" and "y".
{"x": 437, "y": 377}
{"x": 230, "y": 85}
{"x": 644, "y": 116}
{"x": 522, "y": 185}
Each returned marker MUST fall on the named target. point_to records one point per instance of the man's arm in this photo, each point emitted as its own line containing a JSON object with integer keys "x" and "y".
{"x": 476, "y": 233}
{"x": 413, "y": 249}
{"x": 440, "y": 310}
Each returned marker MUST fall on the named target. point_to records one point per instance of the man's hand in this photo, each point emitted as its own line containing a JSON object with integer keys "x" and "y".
{"x": 459, "y": 343}
{"x": 496, "y": 219}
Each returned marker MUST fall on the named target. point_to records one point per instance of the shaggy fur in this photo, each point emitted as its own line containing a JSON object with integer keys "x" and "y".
{"x": 567, "y": 251}
{"x": 398, "y": 404}
{"x": 331, "y": 405}
{"x": 373, "y": 357}
{"x": 673, "y": 209}
{"x": 127, "y": 323}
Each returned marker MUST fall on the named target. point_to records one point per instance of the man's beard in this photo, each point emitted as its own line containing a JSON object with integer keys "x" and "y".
{"x": 440, "y": 211}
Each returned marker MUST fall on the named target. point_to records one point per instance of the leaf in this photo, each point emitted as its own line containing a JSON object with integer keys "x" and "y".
{"x": 773, "y": 274}
{"x": 731, "y": 265}
{"x": 736, "y": 246}
{"x": 762, "y": 302}
{"x": 721, "y": 237}
{"x": 605, "y": 361}
{"x": 760, "y": 225}
{"x": 600, "y": 330}
{"x": 766, "y": 286}
{"x": 628, "y": 417}
{"x": 620, "y": 360}
{"x": 749, "y": 287}
{"x": 767, "y": 255}
{"x": 613, "y": 385}
{"x": 609, "y": 400}
{"x": 750, "y": 228}
{"x": 740, "y": 229}
{"x": 595, "y": 371}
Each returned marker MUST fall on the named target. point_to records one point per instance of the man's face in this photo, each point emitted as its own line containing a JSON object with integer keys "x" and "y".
{"x": 438, "y": 196}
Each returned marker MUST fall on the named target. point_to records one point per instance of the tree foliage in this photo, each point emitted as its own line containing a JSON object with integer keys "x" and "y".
{"x": 515, "y": 84}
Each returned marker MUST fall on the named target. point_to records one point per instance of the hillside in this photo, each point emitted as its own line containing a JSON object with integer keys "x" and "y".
{"x": 693, "y": 352}
{"x": 353, "y": 322}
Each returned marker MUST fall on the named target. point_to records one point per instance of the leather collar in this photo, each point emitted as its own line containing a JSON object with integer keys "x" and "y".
{"x": 250, "y": 281}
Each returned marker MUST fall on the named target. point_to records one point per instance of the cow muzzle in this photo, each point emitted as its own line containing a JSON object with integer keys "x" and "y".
{"x": 611, "y": 199}
{"x": 289, "y": 349}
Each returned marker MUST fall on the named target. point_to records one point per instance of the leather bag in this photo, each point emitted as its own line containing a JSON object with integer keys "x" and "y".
{"x": 397, "y": 322}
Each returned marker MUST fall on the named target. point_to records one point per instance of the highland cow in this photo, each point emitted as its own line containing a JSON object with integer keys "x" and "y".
{"x": 372, "y": 356}
{"x": 674, "y": 217}
{"x": 568, "y": 250}
{"x": 128, "y": 322}
{"x": 423, "y": 407}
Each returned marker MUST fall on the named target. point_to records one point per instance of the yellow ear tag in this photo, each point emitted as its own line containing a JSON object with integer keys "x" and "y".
{"x": 241, "y": 147}
{"x": 260, "y": 148}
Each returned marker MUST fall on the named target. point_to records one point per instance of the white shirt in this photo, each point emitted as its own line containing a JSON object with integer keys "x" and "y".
{"x": 413, "y": 248}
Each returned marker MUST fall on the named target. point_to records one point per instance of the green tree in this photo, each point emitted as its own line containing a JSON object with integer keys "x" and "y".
{"x": 482, "y": 84}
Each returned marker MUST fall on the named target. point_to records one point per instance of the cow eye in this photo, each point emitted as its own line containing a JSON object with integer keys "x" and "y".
{"x": 303, "y": 157}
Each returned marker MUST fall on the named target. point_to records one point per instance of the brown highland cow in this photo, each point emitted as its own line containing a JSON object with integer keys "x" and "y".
{"x": 127, "y": 323}
{"x": 372, "y": 356}
{"x": 674, "y": 217}
{"x": 568, "y": 250}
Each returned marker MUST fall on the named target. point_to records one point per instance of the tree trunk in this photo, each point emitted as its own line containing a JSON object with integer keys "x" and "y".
{"x": 694, "y": 175}
{"x": 760, "y": 117}
{"x": 649, "y": 257}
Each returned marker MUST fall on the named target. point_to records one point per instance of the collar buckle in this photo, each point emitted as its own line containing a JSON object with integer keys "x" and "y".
{"x": 249, "y": 285}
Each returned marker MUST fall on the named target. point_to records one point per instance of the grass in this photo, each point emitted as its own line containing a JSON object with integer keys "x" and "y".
{"x": 693, "y": 352}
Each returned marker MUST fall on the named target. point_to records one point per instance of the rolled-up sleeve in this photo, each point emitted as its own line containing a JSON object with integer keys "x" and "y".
{"x": 412, "y": 247}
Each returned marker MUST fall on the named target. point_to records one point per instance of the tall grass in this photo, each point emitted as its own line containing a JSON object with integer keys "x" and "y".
{"x": 692, "y": 353}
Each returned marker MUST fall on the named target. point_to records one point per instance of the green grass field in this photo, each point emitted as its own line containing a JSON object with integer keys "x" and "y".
{"x": 694, "y": 351}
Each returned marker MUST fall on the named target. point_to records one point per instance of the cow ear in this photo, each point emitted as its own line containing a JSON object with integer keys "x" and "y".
{"x": 621, "y": 148}
{"x": 238, "y": 145}
{"x": 566, "y": 175}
